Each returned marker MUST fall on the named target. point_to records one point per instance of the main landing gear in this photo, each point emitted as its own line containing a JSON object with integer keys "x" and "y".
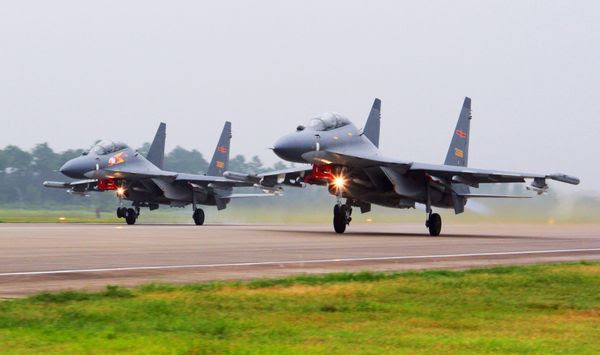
{"x": 341, "y": 217}
{"x": 129, "y": 214}
{"x": 198, "y": 212}
{"x": 434, "y": 223}
{"x": 198, "y": 216}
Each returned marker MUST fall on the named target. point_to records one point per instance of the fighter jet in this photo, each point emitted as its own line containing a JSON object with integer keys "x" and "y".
{"x": 116, "y": 167}
{"x": 347, "y": 160}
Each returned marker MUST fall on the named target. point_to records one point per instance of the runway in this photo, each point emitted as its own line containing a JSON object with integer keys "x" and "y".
{"x": 38, "y": 257}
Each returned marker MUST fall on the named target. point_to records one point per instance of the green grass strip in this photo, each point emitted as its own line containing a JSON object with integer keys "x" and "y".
{"x": 517, "y": 309}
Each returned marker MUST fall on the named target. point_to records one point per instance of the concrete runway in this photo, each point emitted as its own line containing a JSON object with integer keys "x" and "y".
{"x": 37, "y": 257}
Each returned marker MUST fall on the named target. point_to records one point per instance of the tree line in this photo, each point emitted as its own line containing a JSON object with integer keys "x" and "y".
{"x": 22, "y": 173}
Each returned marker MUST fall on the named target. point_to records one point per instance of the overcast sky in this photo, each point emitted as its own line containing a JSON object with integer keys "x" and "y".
{"x": 75, "y": 71}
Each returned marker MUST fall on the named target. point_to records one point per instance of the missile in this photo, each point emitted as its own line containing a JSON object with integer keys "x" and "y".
{"x": 564, "y": 178}
{"x": 251, "y": 178}
{"x": 56, "y": 184}
{"x": 276, "y": 190}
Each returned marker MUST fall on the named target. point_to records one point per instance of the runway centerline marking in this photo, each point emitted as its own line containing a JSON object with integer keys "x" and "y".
{"x": 287, "y": 262}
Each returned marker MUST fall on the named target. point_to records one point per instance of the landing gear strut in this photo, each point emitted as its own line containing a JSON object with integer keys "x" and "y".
{"x": 341, "y": 217}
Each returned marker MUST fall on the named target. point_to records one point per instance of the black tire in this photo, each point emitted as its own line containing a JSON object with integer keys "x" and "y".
{"x": 339, "y": 219}
{"x": 339, "y": 224}
{"x": 434, "y": 224}
{"x": 121, "y": 212}
{"x": 198, "y": 217}
{"x": 336, "y": 209}
{"x": 130, "y": 216}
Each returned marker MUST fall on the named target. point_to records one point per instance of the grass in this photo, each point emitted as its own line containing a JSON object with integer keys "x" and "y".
{"x": 532, "y": 309}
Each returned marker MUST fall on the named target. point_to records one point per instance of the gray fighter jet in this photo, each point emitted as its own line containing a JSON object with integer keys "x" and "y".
{"x": 114, "y": 166}
{"x": 347, "y": 160}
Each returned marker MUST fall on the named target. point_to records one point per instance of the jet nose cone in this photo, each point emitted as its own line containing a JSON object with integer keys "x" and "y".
{"x": 74, "y": 168}
{"x": 282, "y": 148}
{"x": 289, "y": 148}
{"x": 68, "y": 169}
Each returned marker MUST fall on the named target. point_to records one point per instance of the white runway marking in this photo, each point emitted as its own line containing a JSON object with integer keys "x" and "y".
{"x": 313, "y": 261}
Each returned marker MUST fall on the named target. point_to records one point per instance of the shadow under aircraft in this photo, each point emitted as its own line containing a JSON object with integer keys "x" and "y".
{"x": 113, "y": 166}
{"x": 348, "y": 161}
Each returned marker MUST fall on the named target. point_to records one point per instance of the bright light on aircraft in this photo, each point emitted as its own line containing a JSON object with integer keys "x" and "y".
{"x": 120, "y": 191}
{"x": 339, "y": 182}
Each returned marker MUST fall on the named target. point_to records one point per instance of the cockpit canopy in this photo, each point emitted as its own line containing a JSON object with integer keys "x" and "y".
{"x": 106, "y": 147}
{"x": 328, "y": 121}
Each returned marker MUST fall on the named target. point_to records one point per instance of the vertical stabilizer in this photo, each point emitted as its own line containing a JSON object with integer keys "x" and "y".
{"x": 373, "y": 124}
{"x": 458, "y": 152}
{"x": 156, "y": 153}
{"x": 220, "y": 159}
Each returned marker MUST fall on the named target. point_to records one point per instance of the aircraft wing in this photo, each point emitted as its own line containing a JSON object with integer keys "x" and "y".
{"x": 295, "y": 176}
{"x": 471, "y": 176}
{"x": 132, "y": 173}
{"x": 355, "y": 159}
{"x": 206, "y": 179}
{"x": 271, "y": 179}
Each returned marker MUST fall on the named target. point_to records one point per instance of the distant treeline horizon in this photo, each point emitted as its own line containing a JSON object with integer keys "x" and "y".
{"x": 22, "y": 173}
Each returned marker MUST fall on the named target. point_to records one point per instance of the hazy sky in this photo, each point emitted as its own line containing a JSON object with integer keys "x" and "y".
{"x": 75, "y": 71}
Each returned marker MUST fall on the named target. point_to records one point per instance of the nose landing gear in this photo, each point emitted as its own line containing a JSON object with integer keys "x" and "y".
{"x": 341, "y": 217}
{"x": 121, "y": 212}
{"x": 129, "y": 214}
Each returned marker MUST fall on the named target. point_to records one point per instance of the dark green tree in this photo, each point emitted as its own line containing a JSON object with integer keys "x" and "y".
{"x": 185, "y": 161}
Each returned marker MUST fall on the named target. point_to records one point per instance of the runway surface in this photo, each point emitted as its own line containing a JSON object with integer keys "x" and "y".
{"x": 38, "y": 257}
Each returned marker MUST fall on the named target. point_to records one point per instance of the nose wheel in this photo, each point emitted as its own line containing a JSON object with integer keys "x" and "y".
{"x": 129, "y": 214}
{"x": 341, "y": 217}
